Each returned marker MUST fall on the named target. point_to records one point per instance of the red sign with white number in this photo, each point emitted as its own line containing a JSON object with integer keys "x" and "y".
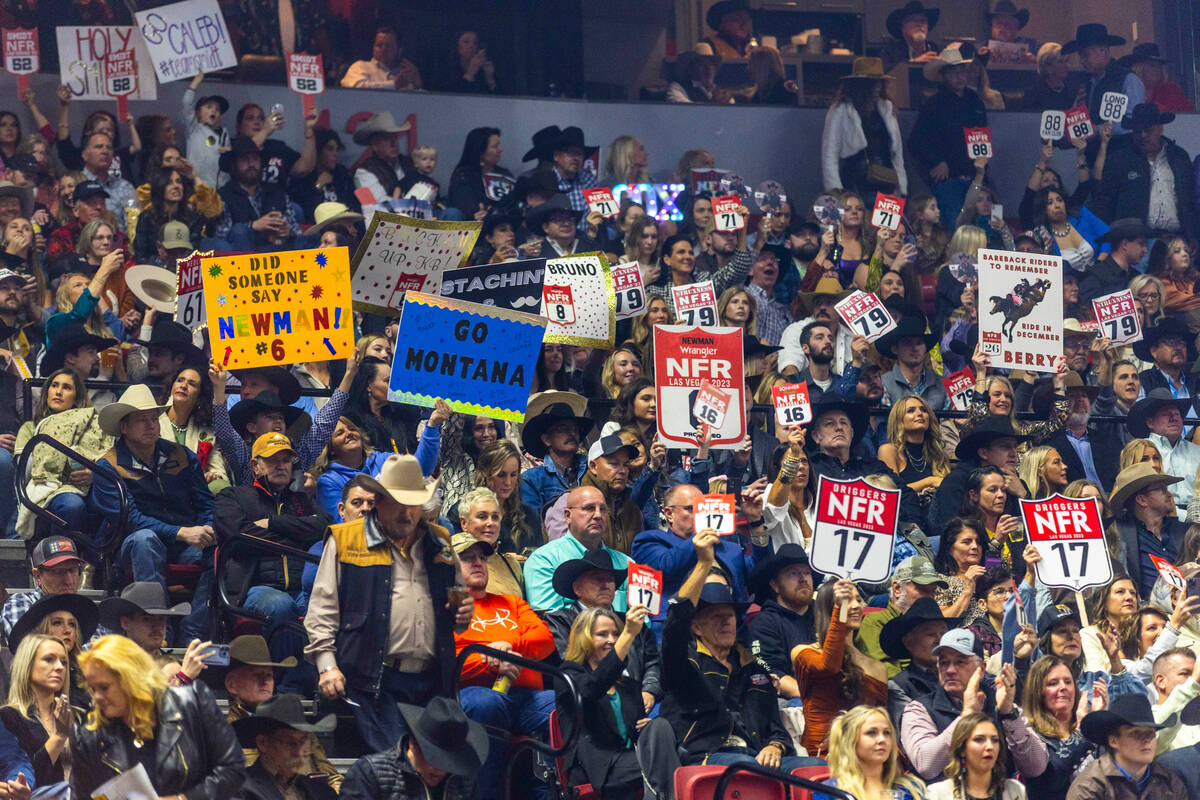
{"x": 889, "y": 210}
{"x": 695, "y": 304}
{"x": 864, "y": 313}
{"x": 726, "y": 216}
{"x": 685, "y": 359}
{"x": 1118, "y": 318}
{"x": 979, "y": 142}
{"x": 644, "y": 588}
{"x": 560, "y": 304}
{"x": 190, "y": 311}
{"x": 1169, "y": 572}
{"x": 1079, "y": 123}
{"x": 306, "y": 77}
{"x": 601, "y": 201}
{"x": 21, "y": 56}
{"x": 958, "y": 386}
{"x": 716, "y": 512}
{"x": 1070, "y": 537}
{"x": 711, "y": 405}
{"x": 792, "y": 403}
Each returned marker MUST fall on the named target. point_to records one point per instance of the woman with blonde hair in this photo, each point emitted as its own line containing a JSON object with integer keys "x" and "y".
{"x": 770, "y": 82}
{"x": 623, "y": 365}
{"x": 133, "y": 706}
{"x": 864, "y": 758}
{"x": 499, "y": 469}
{"x": 914, "y": 447}
{"x": 479, "y": 515}
{"x": 994, "y": 397}
{"x": 376, "y": 345}
{"x": 1043, "y": 471}
{"x": 625, "y": 162}
{"x": 21, "y": 254}
{"x": 855, "y": 235}
{"x": 1150, "y": 297}
{"x": 737, "y": 309}
{"x": 950, "y": 290}
{"x": 978, "y": 765}
{"x": 1179, "y": 277}
{"x": 38, "y": 711}
{"x": 1138, "y": 451}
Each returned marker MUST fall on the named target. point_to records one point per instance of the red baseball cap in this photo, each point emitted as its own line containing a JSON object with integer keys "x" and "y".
{"x": 54, "y": 550}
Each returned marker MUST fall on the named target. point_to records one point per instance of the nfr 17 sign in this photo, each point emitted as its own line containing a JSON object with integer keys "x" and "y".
{"x": 854, "y": 535}
{"x": 1068, "y": 534}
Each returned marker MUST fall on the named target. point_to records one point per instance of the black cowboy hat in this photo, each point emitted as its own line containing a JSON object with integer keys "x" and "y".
{"x": 568, "y": 138}
{"x": 531, "y": 435}
{"x": 68, "y": 339}
{"x": 1146, "y": 115}
{"x": 1146, "y": 51}
{"x": 718, "y": 11}
{"x": 720, "y": 594}
{"x": 536, "y": 217}
{"x": 912, "y": 324}
{"x": 1153, "y": 334}
{"x": 83, "y": 609}
{"x": 1126, "y": 228}
{"x": 448, "y": 740}
{"x": 1151, "y": 404}
{"x": 170, "y": 334}
{"x": 495, "y": 220}
{"x": 1128, "y": 709}
{"x": 280, "y": 711}
{"x": 1009, "y": 8}
{"x": 285, "y": 383}
{"x": 766, "y": 570}
{"x": 240, "y": 146}
{"x": 540, "y": 180}
{"x": 923, "y": 609}
{"x": 146, "y": 596}
{"x": 896, "y": 19}
{"x": 753, "y": 346}
{"x": 1091, "y": 35}
{"x": 542, "y": 142}
{"x": 984, "y": 433}
{"x": 244, "y": 410}
{"x": 1052, "y": 615}
{"x": 568, "y": 572}
{"x": 856, "y": 411}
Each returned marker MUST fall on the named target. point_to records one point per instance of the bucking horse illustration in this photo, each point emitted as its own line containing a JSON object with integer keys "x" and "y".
{"x": 1018, "y": 303}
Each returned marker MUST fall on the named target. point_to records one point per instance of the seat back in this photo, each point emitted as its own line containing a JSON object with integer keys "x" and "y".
{"x": 580, "y": 792}
{"x": 817, "y": 773}
{"x": 700, "y": 782}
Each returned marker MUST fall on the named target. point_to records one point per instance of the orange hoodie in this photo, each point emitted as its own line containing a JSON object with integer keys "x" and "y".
{"x": 504, "y": 618}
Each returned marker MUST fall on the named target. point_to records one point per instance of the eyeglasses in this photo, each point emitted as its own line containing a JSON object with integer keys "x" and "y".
{"x": 1144, "y": 296}
{"x": 685, "y": 508}
{"x": 593, "y": 508}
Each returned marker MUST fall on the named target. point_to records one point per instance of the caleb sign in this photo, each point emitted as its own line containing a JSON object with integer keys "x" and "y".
{"x": 186, "y": 38}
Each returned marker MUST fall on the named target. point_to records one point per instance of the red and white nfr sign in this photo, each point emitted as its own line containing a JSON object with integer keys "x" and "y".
{"x": 1070, "y": 537}
{"x": 854, "y": 535}
{"x": 685, "y": 357}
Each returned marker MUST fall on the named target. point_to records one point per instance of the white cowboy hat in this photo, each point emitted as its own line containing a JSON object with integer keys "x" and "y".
{"x": 401, "y": 479}
{"x": 949, "y": 57}
{"x": 383, "y": 122}
{"x": 136, "y": 398}
{"x": 154, "y": 286}
{"x": 328, "y": 213}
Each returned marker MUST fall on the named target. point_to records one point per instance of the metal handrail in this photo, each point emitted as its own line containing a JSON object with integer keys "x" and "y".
{"x": 522, "y": 741}
{"x": 225, "y": 551}
{"x": 786, "y": 778}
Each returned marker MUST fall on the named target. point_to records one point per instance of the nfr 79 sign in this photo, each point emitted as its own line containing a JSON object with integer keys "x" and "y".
{"x": 855, "y": 530}
{"x": 1067, "y": 532}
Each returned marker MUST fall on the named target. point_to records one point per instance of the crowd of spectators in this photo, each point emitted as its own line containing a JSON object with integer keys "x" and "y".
{"x": 396, "y": 535}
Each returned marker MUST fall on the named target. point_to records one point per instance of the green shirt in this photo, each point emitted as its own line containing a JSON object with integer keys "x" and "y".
{"x": 867, "y": 639}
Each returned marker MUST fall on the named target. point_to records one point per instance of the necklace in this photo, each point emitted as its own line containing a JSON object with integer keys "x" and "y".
{"x": 915, "y": 459}
{"x": 1064, "y": 234}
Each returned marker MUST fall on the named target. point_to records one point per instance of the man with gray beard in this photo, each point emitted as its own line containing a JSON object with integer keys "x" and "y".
{"x": 1086, "y": 453}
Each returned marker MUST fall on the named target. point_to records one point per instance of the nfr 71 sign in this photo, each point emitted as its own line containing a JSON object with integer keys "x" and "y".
{"x": 1068, "y": 534}
{"x": 855, "y": 530}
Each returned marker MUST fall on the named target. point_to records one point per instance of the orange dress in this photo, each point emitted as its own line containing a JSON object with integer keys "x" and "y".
{"x": 818, "y": 673}
{"x": 1181, "y": 295}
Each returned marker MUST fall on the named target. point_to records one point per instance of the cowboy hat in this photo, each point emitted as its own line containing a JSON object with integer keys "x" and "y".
{"x": 280, "y": 711}
{"x": 1146, "y": 51}
{"x": 1127, "y": 709}
{"x": 720, "y": 594}
{"x": 148, "y": 597}
{"x": 1146, "y": 115}
{"x": 984, "y": 433}
{"x": 495, "y": 220}
{"x": 911, "y": 326}
{"x": 542, "y": 400}
{"x": 240, "y": 146}
{"x": 568, "y": 572}
{"x": 22, "y": 193}
{"x": 765, "y": 571}
{"x": 251, "y": 650}
{"x": 169, "y": 334}
{"x": 462, "y": 542}
{"x": 330, "y": 213}
{"x": 867, "y": 69}
{"x": 1071, "y": 380}
{"x": 1135, "y": 478}
{"x": 531, "y": 435}
{"x": 83, "y": 609}
{"x": 895, "y": 20}
{"x": 923, "y": 609}
{"x": 1008, "y": 8}
{"x": 753, "y": 346}
{"x": 827, "y": 285}
{"x": 951, "y": 56}
{"x": 718, "y": 10}
{"x": 568, "y": 138}
{"x": 383, "y": 122}
{"x": 857, "y": 412}
{"x": 1154, "y": 401}
{"x": 154, "y": 286}
{"x": 68, "y": 339}
{"x": 448, "y": 740}
{"x": 245, "y": 410}
{"x": 136, "y": 398}
{"x": 400, "y": 479}
{"x": 542, "y": 181}
{"x": 280, "y": 378}
{"x": 542, "y": 141}
{"x": 536, "y": 217}
{"x": 701, "y": 51}
{"x": 1092, "y": 34}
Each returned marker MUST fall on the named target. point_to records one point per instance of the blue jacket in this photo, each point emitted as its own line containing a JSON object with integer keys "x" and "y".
{"x": 541, "y": 486}
{"x": 163, "y": 497}
{"x": 336, "y": 476}
{"x": 675, "y": 557}
{"x": 13, "y": 760}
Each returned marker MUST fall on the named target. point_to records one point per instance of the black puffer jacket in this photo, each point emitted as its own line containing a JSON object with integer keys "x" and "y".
{"x": 196, "y": 751}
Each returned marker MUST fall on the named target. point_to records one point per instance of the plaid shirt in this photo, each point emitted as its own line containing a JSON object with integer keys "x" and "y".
{"x": 17, "y": 605}
{"x": 573, "y": 189}
{"x": 772, "y": 316}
